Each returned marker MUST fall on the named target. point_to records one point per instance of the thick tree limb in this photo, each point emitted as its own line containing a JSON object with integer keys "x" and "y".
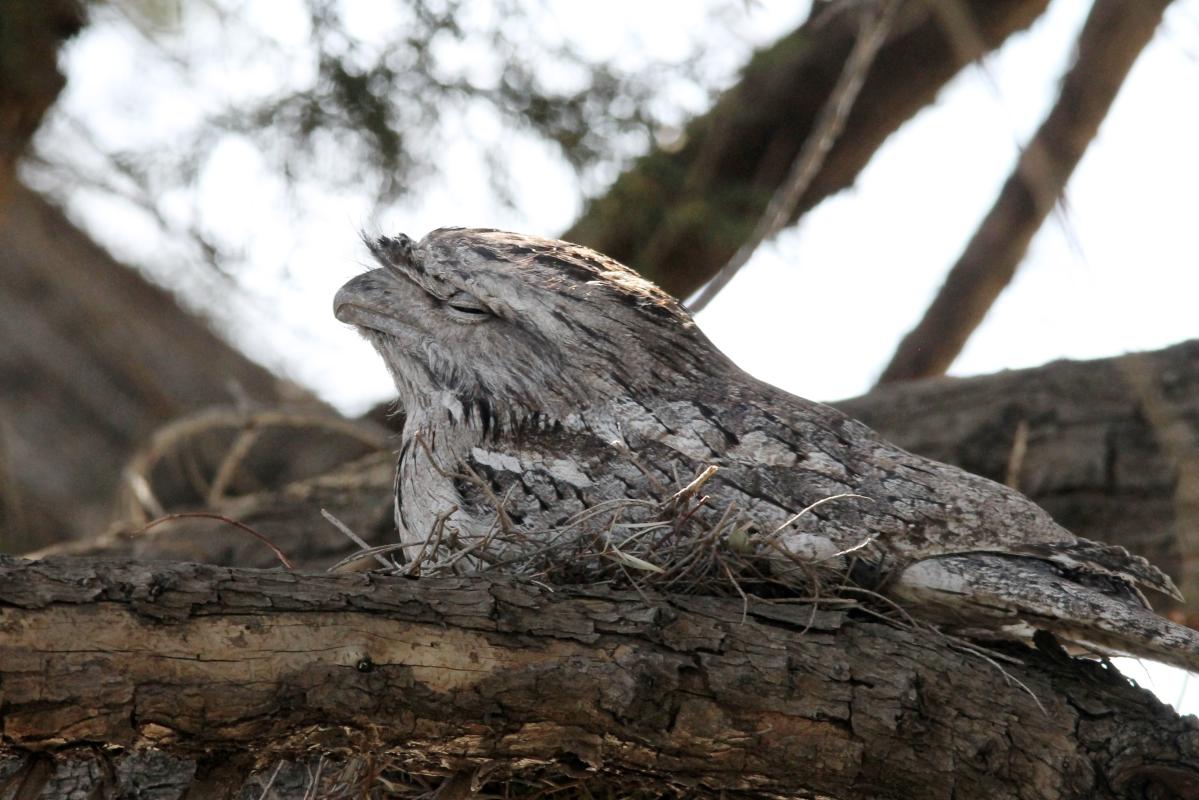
{"x": 1114, "y": 35}
{"x": 459, "y": 674}
{"x": 679, "y": 216}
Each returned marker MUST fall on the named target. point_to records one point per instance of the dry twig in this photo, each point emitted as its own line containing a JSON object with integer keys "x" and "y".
{"x": 872, "y": 32}
{"x": 283, "y": 559}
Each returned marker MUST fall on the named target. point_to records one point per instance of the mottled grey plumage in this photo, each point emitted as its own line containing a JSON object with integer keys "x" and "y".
{"x": 542, "y": 366}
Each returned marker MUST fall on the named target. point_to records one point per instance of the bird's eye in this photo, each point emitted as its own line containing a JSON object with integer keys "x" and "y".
{"x": 466, "y": 307}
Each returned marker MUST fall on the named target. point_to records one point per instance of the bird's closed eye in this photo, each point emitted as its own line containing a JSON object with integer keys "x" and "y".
{"x": 465, "y": 307}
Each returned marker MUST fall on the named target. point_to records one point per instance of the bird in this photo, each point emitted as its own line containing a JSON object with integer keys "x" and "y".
{"x": 540, "y": 378}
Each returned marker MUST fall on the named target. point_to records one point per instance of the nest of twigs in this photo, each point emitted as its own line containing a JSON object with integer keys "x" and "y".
{"x": 356, "y": 778}
{"x": 679, "y": 542}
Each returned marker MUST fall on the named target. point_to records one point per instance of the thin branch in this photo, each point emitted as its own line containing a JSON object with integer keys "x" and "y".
{"x": 283, "y": 559}
{"x": 680, "y": 212}
{"x": 875, "y": 25}
{"x": 346, "y": 531}
{"x": 229, "y": 464}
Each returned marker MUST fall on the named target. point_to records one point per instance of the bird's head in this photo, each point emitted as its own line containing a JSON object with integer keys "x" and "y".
{"x": 522, "y": 324}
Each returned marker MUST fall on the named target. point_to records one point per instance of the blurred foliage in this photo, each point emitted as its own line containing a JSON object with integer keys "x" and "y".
{"x": 370, "y": 113}
{"x": 386, "y": 104}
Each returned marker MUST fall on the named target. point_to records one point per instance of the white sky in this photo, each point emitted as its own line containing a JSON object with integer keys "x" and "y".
{"x": 818, "y": 311}
{"x": 861, "y": 269}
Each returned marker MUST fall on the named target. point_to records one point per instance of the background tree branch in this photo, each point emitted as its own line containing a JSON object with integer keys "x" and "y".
{"x": 30, "y": 35}
{"x": 679, "y": 214}
{"x": 1115, "y": 33}
{"x": 441, "y": 676}
{"x": 873, "y": 29}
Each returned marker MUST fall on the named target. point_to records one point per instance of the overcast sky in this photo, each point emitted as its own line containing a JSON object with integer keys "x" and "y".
{"x": 817, "y": 312}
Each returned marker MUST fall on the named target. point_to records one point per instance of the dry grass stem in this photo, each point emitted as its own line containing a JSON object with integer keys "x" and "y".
{"x": 366, "y": 549}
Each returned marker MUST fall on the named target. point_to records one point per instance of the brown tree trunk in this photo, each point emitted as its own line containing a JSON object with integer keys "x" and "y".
{"x": 677, "y": 215}
{"x": 500, "y": 680}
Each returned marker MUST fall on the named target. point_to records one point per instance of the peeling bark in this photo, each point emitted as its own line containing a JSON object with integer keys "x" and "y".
{"x": 440, "y": 676}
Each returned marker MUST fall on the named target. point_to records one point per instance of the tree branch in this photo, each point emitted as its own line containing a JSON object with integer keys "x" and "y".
{"x": 678, "y": 215}
{"x": 449, "y": 675}
{"x": 31, "y": 32}
{"x": 828, "y": 125}
{"x": 1115, "y": 33}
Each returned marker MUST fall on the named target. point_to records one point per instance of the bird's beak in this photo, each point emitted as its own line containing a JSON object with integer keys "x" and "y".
{"x": 354, "y": 295}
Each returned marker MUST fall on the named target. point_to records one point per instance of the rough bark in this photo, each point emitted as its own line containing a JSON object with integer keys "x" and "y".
{"x": 678, "y": 215}
{"x": 1110, "y": 447}
{"x": 94, "y": 360}
{"x": 102, "y": 660}
{"x": 1115, "y": 33}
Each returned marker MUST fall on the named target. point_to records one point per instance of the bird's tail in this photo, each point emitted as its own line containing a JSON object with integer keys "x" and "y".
{"x": 1010, "y": 597}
